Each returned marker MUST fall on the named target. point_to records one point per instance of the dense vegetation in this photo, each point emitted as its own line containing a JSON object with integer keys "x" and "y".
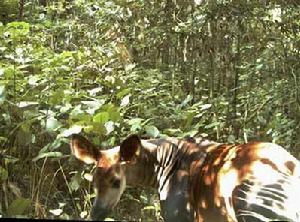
{"x": 228, "y": 70}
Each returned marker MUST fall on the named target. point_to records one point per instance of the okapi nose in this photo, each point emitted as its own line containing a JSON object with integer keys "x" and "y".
{"x": 116, "y": 183}
{"x": 98, "y": 214}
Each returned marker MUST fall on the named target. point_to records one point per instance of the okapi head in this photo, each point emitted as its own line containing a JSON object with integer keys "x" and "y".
{"x": 109, "y": 177}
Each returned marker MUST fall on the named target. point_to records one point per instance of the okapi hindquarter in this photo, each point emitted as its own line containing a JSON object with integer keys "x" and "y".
{"x": 197, "y": 180}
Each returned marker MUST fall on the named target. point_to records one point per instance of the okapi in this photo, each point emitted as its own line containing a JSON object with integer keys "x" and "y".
{"x": 197, "y": 180}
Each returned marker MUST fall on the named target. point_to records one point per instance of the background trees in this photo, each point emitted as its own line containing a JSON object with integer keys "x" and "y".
{"x": 227, "y": 69}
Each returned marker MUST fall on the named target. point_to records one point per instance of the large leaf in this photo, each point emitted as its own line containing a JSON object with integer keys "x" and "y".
{"x": 188, "y": 119}
{"x": 3, "y": 174}
{"x": 56, "y": 212}
{"x": 17, "y": 207}
{"x": 152, "y": 131}
{"x": 125, "y": 101}
{"x": 114, "y": 113}
{"x": 109, "y": 126}
{"x": 101, "y": 117}
{"x": 136, "y": 124}
{"x": 70, "y": 131}
{"x": 52, "y": 124}
{"x": 186, "y": 101}
{"x": 74, "y": 184}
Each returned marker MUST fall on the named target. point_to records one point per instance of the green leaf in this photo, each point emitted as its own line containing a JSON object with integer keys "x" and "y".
{"x": 123, "y": 93}
{"x": 186, "y": 101}
{"x": 10, "y": 159}
{"x": 19, "y": 25}
{"x": 261, "y": 120}
{"x": 33, "y": 80}
{"x": 114, "y": 113}
{"x": 212, "y": 125}
{"x": 259, "y": 66}
{"x": 101, "y": 118}
{"x": 205, "y": 106}
{"x": 9, "y": 72}
{"x": 3, "y": 174}
{"x": 93, "y": 105}
{"x": 129, "y": 67}
{"x": 152, "y": 131}
{"x": 24, "y": 104}
{"x": 52, "y": 145}
{"x": 48, "y": 154}
{"x": 231, "y": 139}
{"x": 18, "y": 206}
{"x": 52, "y": 124}
{"x": 99, "y": 128}
{"x": 149, "y": 208}
{"x": 135, "y": 121}
{"x": 188, "y": 119}
{"x": 136, "y": 124}
{"x": 75, "y": 182}
{"x": 172, "y": 132}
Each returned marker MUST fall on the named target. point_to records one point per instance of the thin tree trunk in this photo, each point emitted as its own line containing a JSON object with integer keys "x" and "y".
{"x": 21, "y": 9}
{"x": 236, "y": 80}
{"x": 166, "y": 43}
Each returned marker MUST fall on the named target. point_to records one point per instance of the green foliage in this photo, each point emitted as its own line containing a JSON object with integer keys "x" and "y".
{"x": 228, "y": 71}
{"x": 17, "y": 207}
{"x": 3, "y": 174}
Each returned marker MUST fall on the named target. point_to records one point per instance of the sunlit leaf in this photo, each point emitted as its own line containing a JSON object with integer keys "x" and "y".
{"x": 101, "y": 117}
{"x": 109, "y": 127}
{"x": 109, "y": 219}
{"x": 149, "y": 208}
{"x": 52, "y": 124}
{"x": 205, "y": 106}
{"x": 24, "y": 104}
{"x": 129, "y": 67}
{"x": 74, "y": 129}
{"x": 152, "y": 131}
{"x": 94, "y": 91}
{"x": 88, "y": 177}
{"x": 186, "y": 101}
{"x": 56, "y": 212}
{"x": 125, "y": 101}
{"x": 83, "y": 214}
{"x": 33, "y": 80}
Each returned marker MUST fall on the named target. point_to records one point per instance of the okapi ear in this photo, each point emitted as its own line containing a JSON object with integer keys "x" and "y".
{"x": 129, "y": 148}
{"x": 83, "y": 149}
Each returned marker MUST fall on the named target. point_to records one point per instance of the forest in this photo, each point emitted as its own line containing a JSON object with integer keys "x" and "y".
{"x": 227, "y": 70}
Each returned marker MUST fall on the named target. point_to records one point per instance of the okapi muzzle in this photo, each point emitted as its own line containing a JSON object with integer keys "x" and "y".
{"x": 197, "y": 180}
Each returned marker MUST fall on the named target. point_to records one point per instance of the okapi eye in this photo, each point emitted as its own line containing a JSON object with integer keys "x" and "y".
{"x": 116, "y": 183}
